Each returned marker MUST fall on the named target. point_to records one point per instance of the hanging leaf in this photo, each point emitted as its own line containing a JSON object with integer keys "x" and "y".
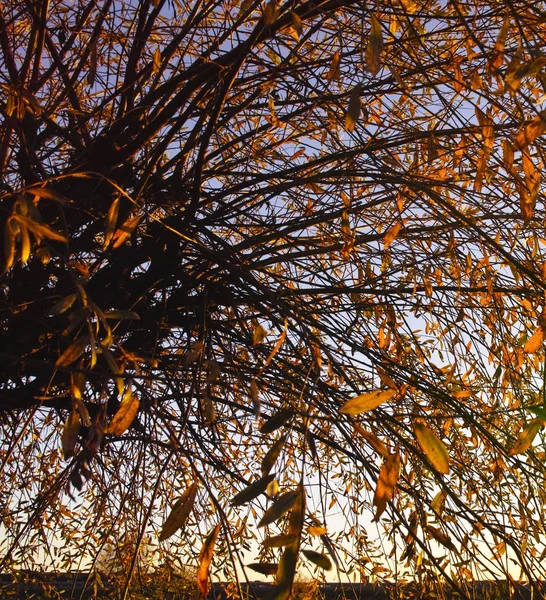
{"x": 433, "y": 448}
{"x": 278, "y": 541}
{"x": 264, "y": 568}
{"x": 277, "y": 420}
{"x": 526, "y": 437}
{"x": 333, "y": 74}
{"x": 440, "y": 537}
{"x": 367, "y": 401}
{"x": 438, "y": 502}
{"x": 62, "y": 305}
{"x": 318, "y": 559}
{"x": 277, "y": 346}
{"x": 111, "y": 222}
{"x": 316, "y": 530}
{"x": 125, "y": 414}
{"x": 259, "y": 334}
{"x": 534, "y": 343}
{"x": 70, "y": 433}
{"x": 125, "y": 231}
{"x": 205, "y": 558}
{"x": 373, "y": 440}
{"x": 252, "y": 491}
{"x": 528, "y": 134}
{"x": 39, "y": 230}
{"x": 353, "y": 112}
{"x": 73, "y": 352}
{"x": 179, "y": 513}
{"x": 280, "y": 507}
{"x": 11, "y": 230}
{"x": 272, "y": 454}
{"x": 255, "y": 397}
{"x": 386, "y": 483}
{"x": 375, "y": 46}
{"x": 391, "y": 235}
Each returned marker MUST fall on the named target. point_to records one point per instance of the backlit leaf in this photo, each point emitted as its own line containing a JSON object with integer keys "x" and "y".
{"x": 62, "y": 305}
{"x": 272, "y": 454}
{"x": 534, "y": 343}
{"x": 179, "y": 513}
{"x": 264, "y": 568}
{"x": 73, "y": 352}
{"x": 70, "y": 433}
{"x": 125, "y": 414}
{"x": 353, "y": 111}
{"x": 366, "y": 402}
{"x": 433, "y": 448}
{"x": 278, "y": 541}
{"x": 205, "y": 558}
{"x": 526, "y": 437}
{"x": 386, "y": 483}
{"x": 40, "y": 230}
{"x": 277, "y": 420}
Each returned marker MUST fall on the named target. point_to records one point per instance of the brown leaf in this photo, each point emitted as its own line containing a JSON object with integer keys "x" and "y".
{"x": 272, "y": 454}
{"x": 70, "y": 433}
{"x": 280, "y": 507}
{"x": 333, "y": 74}
{"x": 375, "y": 46}
{"x": 433, "y": 448}
{"x": 277, "y": 420}
{"x": 386, "y": 483}
{"x": 205, "y": 558}
{"x": 440, "y": 537}
{"x": 278, "y": 541}
{"x": 125, "y": 414}
{"x": 353, "y": 112}
{"x": 252, "y": 491}
{"x": 318, "y": 559}
{"x": 179, "y": 513}
{"x": 373, "y": 440}
{"x": 264, "y": 568}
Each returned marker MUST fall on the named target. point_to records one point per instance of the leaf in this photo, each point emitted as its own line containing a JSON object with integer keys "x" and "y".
{"x": 440, "y": 537}
{"x": 433, "y": 448}
{"x": 353, "y": 112}
{"x": 73, "y": 352}
{"x": 539, "y": 410}
{"x": 373, "y": 440}
{"x": 111, "y": 222}
{"x": 125, "y": 415}
{"x": 255, "y": 397}
{"x": 193, "y": 353}
{"x": 125, "y": 231}
{"x": 375, "y": 46}
{"x": 333, "y": 74}
{"x": 280, "y": 507}
{"x": 156, "y": 65}
{"x": 252, "y": 491}
{"x": 272, "y": 454}
{"x": 25, "y": 245}
{"x": 534, "y": 343}
{"x": 40, "y": 230}
{"x": 391, "y": 235}
{"x": 278, "y": 541}
{"x": 530, "y": 132}
{"x": 277, "y": 346}
{"x": 62, "y": 305}
{"x": 205, "y": 558}
{"x": 526, "y": 437}
{"x": 438, "y": 502}
{"x": 264, "y": 568}
{"x": 10, "y": 236}
{"x": 277, "y": 420}
{"x": 367, "y": 401}
{"x": 318, "y": 559}
{"x": 71, "y": 430}
{"x": 316, "y": 530}
{"x": 258, "y": 335}
{"x": 386, "y": 483}
{"x": 122, "y": 315}
{"x": 179, "y": 513}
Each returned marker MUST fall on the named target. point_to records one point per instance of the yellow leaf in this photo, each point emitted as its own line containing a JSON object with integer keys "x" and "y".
{"x": 205, "y": 558}
{"x": 526, "y": 437}
{"x": 333, "y": 73}
{"x": 11, "y": 231}
{"x": 110, "y": 223}
{"x": 375, "y": 46}
{"x": 179, "y": 513}
{"x": 125, "y": 414}
{"x": 316, "y": 530}
{"x": 386, "y": 483}
{"x": 353, "y": 112}
{"x": 277, "y": 346}
{"x": 534, "y": 343}
{"x": 39, "y": 230}
{"x": 156, "y": 66}
{"x": 125, "y": 231}
{"x": 70, "y": 433}
{"x": 258, "y": 335}
{"x": 367, "y": 401}
{"x": 25, "y": 245}
{"x": 433, "y": 448}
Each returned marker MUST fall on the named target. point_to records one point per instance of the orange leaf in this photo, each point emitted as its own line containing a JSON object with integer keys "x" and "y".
{"x": 205, "y": 558}
{"x": 375, "y": 46}
{"x": 386, "y": 483}
{"x": 125, "y": 414}
{"x": 534, "y": 343}
{"x": 526, "y": 437}
{"x": 367, "y": 401}
{"x": 530, "y": 133}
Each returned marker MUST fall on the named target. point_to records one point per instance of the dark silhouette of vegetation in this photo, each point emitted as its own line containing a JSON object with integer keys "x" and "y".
{"x": 270, "y": 267}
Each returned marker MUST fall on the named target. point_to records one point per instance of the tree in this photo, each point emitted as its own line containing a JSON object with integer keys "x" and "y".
{"x": 247, "y": 238}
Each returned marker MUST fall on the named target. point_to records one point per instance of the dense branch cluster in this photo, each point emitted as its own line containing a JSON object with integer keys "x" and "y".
{"x": 224, "y": 220}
